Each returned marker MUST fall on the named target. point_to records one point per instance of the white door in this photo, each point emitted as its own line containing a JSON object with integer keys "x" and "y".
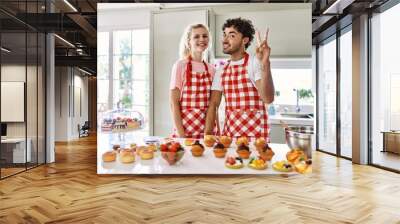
{"x": 167, "y": 28}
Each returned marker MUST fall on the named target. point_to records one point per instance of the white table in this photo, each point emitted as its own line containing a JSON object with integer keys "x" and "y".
{"x": 207, "y": 164}
{"x": 19, "y": 155}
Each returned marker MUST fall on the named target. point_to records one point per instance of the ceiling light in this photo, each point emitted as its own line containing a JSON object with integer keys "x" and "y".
{"x": 84, "y": 71}
{"x": 5, "y": 50}
{"x": 64, "y": 40}
{"x": 70, "y": 5}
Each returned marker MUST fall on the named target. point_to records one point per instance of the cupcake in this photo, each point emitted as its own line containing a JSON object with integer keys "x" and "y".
{"x": 197, "y": 149}
{"x": 243, "y": 151}
{"x": 259, "y": 143}
{"x": 266, "y": 153}
{"x": 188, "y": 141}
{"x": 226, "y": 141}
{"x": 304, "y": 166}
{"x": 219, "y": 150}
{"x": 242, "y": 141}
{"x": 209, "y": 140}
{"x": 293, "y": 156}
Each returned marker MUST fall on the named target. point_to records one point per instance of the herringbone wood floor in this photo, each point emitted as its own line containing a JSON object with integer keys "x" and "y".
{"x": 70, "y": 191}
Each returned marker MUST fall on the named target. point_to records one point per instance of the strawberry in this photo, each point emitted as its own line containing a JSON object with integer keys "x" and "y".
{"x": 164, "y": 148}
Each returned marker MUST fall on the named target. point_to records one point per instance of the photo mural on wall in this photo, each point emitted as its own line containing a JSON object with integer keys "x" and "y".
{"x": 193, "y": 95}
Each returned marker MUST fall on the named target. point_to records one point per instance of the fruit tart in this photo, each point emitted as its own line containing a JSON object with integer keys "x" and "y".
{"x": 242, "y": 141}
{"x": 266, "y": 152}
{"x": 234, "y": 163}
{"x": 243, "y": 151}
{"x": 226, "y": 141}
{"x": 295, "y": 155}
{"x": 197, "y": 149}
{"x": 282, "y": 166}
{"x": 303, "y": 166}
{"x": 257, "y": 164}
{"x": 209, "y": 140}
{"x": 219, "y": 150}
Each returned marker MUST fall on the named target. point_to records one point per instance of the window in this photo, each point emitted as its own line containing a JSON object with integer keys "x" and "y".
{"x": 385, "y": 88}
{"x": 286, "y": 91}
{"x": 327, "y": 96}
{"x": 123, "y": 67}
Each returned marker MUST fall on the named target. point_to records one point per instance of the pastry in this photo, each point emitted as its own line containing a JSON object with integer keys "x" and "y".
{"x": 133, "y": 145}
{"x": 197, "y": 149}
{"x": 189, "y": 141}
{"x": 282, "y": 166}
{"x": 226, "y": 141}
{"x": 242, "y": 141}
{"x": 304, "y": 166}
{"x": 127, "y": 156}
{"x": 146, "y": 154}
{"x": 152, "y": 147}
{"x": 139, "y": 149}
{"x": 109, "y": 156}
{"x": 295, "y": 155}
{"x": 259, "y": 143}
{"x": 258, "y": 164}
{"x": 266, "y": 153}
{"x": 219, "y": 150}
{"x": 209, "y": 140}
{"x": 243, "y": 151}
{"x": 234, "y": 163}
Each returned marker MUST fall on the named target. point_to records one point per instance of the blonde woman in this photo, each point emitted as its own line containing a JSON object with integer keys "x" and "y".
{"x": 191, "y": 81}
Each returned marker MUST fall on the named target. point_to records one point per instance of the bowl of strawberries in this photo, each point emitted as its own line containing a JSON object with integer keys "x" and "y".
{"x": 172, "y": 152}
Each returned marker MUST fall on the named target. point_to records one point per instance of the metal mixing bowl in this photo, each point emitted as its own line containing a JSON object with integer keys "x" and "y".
{"x": 300, "y": 137}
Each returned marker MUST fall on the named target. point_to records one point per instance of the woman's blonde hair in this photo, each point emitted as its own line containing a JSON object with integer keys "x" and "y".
{"x": 184, "y": 47}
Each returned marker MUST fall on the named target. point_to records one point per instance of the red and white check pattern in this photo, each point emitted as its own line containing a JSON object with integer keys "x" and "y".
{"x": 194, "y": 101}
{"x": 245, "y": 112}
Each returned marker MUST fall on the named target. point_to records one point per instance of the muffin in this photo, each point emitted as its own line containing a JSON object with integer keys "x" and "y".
{"x": 226, "y": 141}
{"x": 197, "y": 149}
{"x": 209, "y": 140}
{"x": 266, "y": 153}
{"x": 259, "y": 143}
{"x": 304, "y": 166}
{"x": 243, "y": 151}
{"x": 219, "y": 150}
{"x": 188, "y": 141}
{"x": 242, "y": 141}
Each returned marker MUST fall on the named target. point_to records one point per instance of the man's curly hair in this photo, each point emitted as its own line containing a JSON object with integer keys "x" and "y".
{"x": 244, "y": 26}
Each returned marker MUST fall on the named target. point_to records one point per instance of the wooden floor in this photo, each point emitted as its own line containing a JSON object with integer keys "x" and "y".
{"x": 70, "y": 191}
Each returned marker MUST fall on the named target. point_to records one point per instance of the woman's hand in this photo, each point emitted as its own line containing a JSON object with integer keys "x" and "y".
{"x": 263, "y": 51}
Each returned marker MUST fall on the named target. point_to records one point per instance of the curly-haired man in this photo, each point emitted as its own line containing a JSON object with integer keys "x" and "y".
{"x": 245, "y": 82}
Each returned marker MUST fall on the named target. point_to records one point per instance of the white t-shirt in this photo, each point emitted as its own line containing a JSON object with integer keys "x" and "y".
{"x": 253, "y": 70}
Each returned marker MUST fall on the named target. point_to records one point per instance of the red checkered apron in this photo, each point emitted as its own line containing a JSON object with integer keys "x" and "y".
{"x": 194, "y": 101}
{"x": 245, "y": 112}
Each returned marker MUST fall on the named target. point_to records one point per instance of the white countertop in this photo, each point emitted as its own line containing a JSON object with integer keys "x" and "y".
{"x": 207, "y": 164}
{"x": 276, "y": 119}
